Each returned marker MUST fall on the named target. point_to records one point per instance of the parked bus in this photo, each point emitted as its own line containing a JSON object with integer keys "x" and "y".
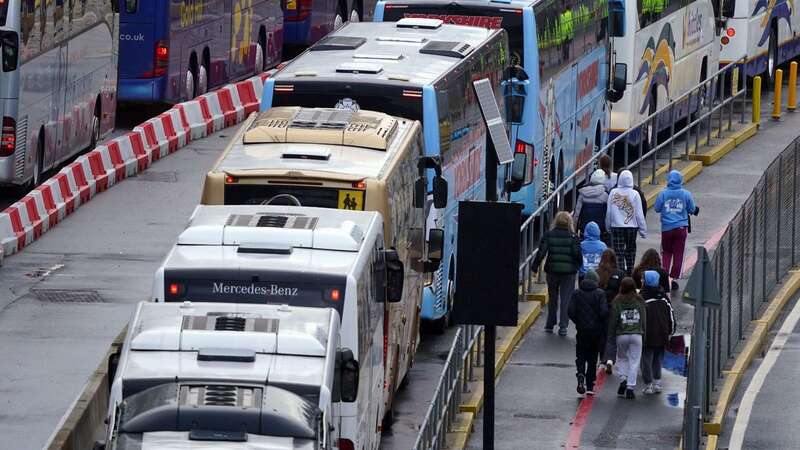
{"x": 762, "y": 31}
{"x": 419, "y": 69}
{"x": 569, "y": 123}
{"x": 57, "y": 85}
{"x": 307, "y": 21}
{"x": 174, "y": 50}
{"x": 297, "y": 256}
{"x": 669, "y": 47}
{"x": 338, "y": 159}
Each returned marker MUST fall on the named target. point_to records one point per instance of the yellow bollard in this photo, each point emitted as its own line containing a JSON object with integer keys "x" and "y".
{"x": 776, "y": 101}
{"x": 792, "y": 100}
{"x": 756, "y": 100}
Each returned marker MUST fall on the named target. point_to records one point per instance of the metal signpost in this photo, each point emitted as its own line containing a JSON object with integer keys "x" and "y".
{"x": 702, "y": 292}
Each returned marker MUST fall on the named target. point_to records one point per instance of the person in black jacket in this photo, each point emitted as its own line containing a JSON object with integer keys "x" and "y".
{"x": 588, "y": 309}
{"x": 660, "y": 326}
{"x": 564, "y": 258}
{"x": 610, "y": 279}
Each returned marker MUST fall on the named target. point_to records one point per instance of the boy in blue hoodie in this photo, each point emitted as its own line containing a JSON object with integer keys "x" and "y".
{"x": 674, "y": 204}
{"x": 592, "y": 248}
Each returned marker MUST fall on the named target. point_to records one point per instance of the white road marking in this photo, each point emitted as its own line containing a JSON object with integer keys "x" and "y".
{"x": 749, "y": 398}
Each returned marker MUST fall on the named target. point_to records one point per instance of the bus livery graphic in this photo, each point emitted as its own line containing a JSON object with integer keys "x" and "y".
{"x": 656, "y": 65}
{"x": 777, "y": 9}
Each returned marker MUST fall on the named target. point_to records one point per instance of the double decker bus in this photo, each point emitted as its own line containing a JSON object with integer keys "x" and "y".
{"x": 57, "y": 84}
{"x": 562, "y": 61}
{"x": 762, "y": 31}
{"x": 418, "y": 69}
{"x": 669, "y": 47}
{"x": 175, "y": 50}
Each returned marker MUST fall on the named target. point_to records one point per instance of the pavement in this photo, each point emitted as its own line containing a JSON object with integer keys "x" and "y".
{"x": 537, "y": 406}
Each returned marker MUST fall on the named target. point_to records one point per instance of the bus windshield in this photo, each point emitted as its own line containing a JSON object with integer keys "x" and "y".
{"x": 392, "y": 100}
{"x": 472, "y": 15}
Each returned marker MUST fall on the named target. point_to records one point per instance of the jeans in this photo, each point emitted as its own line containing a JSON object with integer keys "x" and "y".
{"x": 673, "y": 243}
{"x": 651, "y": 363}
{"x": 589, "y": 345}
{"x": 559, "y": 287}
{"x": 629, "y": 355}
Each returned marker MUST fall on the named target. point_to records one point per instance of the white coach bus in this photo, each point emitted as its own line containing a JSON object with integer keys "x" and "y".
{"x": 58, "y": 82}
{"x": 314, "y": 257}
{"x": 669, "y": 46}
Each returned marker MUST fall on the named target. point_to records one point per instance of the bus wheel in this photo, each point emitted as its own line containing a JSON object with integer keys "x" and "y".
{"x": 191, "y": 85}
{"x": 95, "y": 125}
{"x": 202, "y": 79}
{"x": 772, "y": 52}
{"x": 441, "y": 324}
{"x": 354, "y": 15}
{"x": 36, "y": 179}
{"x": 338, "y": 21}
{"x": 259, "y": 66}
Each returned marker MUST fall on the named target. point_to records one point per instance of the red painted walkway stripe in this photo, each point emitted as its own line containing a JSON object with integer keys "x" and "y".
{"x": 584, "y": 409}
{"x": 710, "y": 244}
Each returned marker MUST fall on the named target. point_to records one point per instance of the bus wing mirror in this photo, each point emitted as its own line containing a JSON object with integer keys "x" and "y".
{"x": 347, "y": 369}
{"x": 419, "y": 192}
{"x": 439, "y": 192}
{"x": 728, "y": 8}
{"x": 518, "y": 170}
{"x": 515, "y": 91}
{"x": 395, "y": 275}
{"x": 435, "y": 249}
{"x": 10, "y": 45}
{"x": 616, "y": 18}
{"x": 619, "y": 82}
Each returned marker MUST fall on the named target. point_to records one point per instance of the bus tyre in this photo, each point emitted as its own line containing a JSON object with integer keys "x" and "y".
{"x": 202, "y": 80}
{"x": 36, "y": 178}
{"x": 95, "y": 129}
{"x": 191, "y": 87}
{"x": 772, "y": 52}
{"x": 441, "y": 324}
{"x": 338, "y": 21}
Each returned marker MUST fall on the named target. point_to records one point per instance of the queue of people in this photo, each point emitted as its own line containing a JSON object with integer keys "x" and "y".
{"x": 621, "y": 310}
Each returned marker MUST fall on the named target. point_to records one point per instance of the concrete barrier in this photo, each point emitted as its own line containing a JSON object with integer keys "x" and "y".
{"x": 122, "y": 157}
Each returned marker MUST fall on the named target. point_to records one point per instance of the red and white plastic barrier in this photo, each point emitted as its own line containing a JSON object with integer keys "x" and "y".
{"x": 124, "y": 156}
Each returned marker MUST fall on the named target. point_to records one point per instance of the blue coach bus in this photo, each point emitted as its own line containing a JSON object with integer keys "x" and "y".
{"x": 174, "y": 50}
{"x": 417, "y": 69}
{"x": 562, "y": 50}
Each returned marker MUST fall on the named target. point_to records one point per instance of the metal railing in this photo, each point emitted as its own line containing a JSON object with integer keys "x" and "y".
{"x": 714, "y": 102}
{"x": 756, "y": 251}
{"x": 464, "y": 356}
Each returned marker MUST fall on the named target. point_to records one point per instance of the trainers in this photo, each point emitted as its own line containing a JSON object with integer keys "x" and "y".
{"x": 674, "y": 285}
{"x": 590, "y": 391}
{"x": 562, "y": 332}
{"x": 548, "y": 330}
{"x": 581, "y": 388}
{"x": 629, "y": 394}
{"x": 649, "y": 389}
{"x": 609, "y": 367}
{"x": 657, "y": 387}
{"x": 622, "y": 387}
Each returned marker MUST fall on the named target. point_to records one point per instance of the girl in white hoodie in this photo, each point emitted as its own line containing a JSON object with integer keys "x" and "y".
{"x": 624, "y": 219}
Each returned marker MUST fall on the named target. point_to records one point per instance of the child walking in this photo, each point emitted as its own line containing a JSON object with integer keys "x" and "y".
{"x": 660, "y": 326}
{"x": 627, "y": 323}
{"x": 588, "y": 310}
{"x": 610, "y": 279}
{"x": 592, "y": 248}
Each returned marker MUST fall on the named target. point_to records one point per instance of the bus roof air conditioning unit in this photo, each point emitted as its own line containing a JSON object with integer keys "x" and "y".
{"x": 447, "y": 48}
{"x": 338, "y": 43}
{"x": 419, "y": 23}
{"x": 356, "y": 68}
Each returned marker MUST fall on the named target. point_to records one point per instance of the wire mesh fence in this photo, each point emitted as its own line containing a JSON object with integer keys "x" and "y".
{"x": 755, "y": 252}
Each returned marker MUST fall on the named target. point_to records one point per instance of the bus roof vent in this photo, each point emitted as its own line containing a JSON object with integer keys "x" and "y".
{"x": 447, "y": 48}
{"x": 425, "y": 24}
{"x": 403, "y": 39}
{"x": 288, "y": 221}
{"x": 388, "y": 56}
{"x": 364, "y": 128}
{"x": 357, "y": 68}
{"x": 338, "y": 43}
{"x": 219, "y": 321}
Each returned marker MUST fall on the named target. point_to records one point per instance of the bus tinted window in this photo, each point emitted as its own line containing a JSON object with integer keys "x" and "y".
{"x": 131, "y": 6}
{"x": 262, "y": 194}
{"x": 472, "y": 15}
{"x": 3, "y": 12}
{"x": 651, "y": 11}
{"x": 566, "y": 31}
{"x": 406, "y": 103}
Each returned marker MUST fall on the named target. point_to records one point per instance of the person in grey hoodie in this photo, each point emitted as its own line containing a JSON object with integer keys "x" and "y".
{"x": 624, "y": 219}
{"x": 592, "y": 203}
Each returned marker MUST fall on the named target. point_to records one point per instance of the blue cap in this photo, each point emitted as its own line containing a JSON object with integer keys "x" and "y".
{"x": 651, "y": 278}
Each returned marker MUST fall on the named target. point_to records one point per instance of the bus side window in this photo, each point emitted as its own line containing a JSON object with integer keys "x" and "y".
{"x": 131, "y": 6}
{"x": 10, "y": 43}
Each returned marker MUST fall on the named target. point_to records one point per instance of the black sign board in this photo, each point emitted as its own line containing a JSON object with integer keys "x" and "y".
{"x": 487, "y": 263}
